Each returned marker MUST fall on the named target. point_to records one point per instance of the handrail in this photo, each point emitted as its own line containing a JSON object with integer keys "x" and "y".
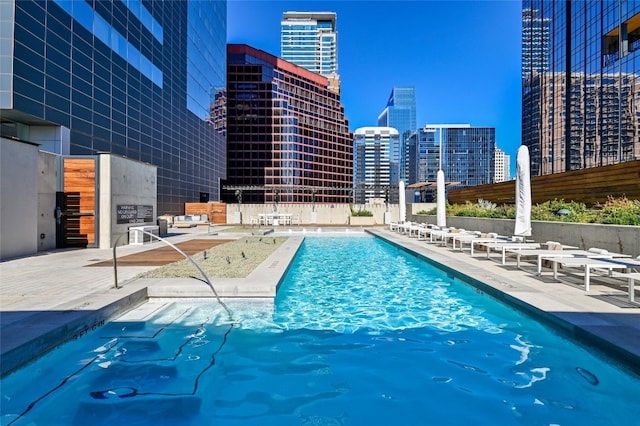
{"x": 206, "y": 278}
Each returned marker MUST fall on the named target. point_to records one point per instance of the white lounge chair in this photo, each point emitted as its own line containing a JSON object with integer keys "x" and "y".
{"x": 489, "y": 238}
{"x": 457, "y": 233}
{"x": 586, "y": 263}
{"x": 631, "y": 278}
{"x": 549, "y": 253}
{"x": 503, "y": 246}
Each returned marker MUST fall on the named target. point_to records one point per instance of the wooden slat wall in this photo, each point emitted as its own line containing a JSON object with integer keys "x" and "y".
{"x": 217, "y": 212}
{"x": 80, "y": 190}
{"x": 589, "y": 186}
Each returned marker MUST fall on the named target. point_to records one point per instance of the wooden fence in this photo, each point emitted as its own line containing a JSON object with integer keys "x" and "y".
{"x": 589, "y": 186}
{"x": 217, "y": 212}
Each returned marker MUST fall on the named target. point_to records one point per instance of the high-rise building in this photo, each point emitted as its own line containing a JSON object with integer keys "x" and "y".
{"x": 424, "y": 156}
{"x": 134, "y": 78}
{"x": 400, "y": 113}
{"x": 535, "y": 43}
{"x": 372, "y": 164}
{"x": 310, "y": 40}
{"x": 584, "y": 110}
{"x": 288, "y": 140}
{"x": 467, "y": 153}
{"x": 503, "y": 163}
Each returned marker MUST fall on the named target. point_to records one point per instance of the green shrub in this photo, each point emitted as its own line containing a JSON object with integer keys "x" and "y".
{"x": 548, "y": 211}
{"x": 618, "y": 211}
{"x": 360, "y": 212}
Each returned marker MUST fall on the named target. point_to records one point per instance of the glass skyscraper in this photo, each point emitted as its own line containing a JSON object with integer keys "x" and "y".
{"x": 310, "y": 40}
{"x": 535, "y": 42}
{"x": 372, "y": 164}
{"x": 129, "y": 77}
{"x": 583, "y": 110}
{"x": 467, "y": 153}
{"x": 287, "y": 137}
{"x": 424, "y": 156}
{"x": 400, "y": 113}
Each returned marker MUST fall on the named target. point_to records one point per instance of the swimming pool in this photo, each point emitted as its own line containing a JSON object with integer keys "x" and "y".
{"x": 361, "y": 333}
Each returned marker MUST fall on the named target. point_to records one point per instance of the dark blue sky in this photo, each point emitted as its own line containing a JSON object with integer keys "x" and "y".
{"x": 463, "y": 57}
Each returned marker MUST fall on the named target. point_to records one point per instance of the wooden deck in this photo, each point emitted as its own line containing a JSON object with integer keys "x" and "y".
{"x": 164, "y": 254}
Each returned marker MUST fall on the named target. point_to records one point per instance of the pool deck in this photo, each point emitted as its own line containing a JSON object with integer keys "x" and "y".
{"x": 52, "y": 297}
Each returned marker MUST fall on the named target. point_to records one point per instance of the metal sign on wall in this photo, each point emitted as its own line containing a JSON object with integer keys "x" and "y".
{"x": 131, "y": 213}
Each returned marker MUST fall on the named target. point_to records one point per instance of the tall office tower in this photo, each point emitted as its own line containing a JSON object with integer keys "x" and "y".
{"x": 372, "y": 164}
{"x": 584, "y": 111}
{"x": 502, "y": 164}
{"x": 124, "y": 77}
{"x": 467, "y": 153}
{"x": 424, "y": 156}
{"x": 310, "y": 40}
{"x": 288, "y": 140}
{"x": 535, "y": 43}
{"x": 400, "y": 113}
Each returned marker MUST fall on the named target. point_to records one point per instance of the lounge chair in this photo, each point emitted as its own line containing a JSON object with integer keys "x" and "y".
{"x": 404, "y": 227}
{"x": 586, "y": 263}
{"x": 631, "y": 278}
{"x": 488, "y": 238}
{"x": 630, "y": 275}
{"x": 463, "y": 237}
{"x": 414, "y": 228}
{"x": 439, "y": 234}
{"x": 503, "y": 246}
{"x": 456, "y": 234}
{"x": 549, "y": 253}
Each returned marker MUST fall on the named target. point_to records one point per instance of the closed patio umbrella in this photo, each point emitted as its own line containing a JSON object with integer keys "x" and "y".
{"x": 441, "y": 211}
{"x": 523, "y": 193}
{"x": 402, "y": 202}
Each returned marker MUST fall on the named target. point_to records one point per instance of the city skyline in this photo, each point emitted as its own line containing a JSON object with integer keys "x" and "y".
{"x": 463, "y": 57}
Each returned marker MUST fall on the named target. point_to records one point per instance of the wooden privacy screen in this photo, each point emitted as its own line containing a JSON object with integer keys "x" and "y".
{"x": 217, "y": 212}
{"x": 79, "y": 211}
{"x": 589, "y": 186}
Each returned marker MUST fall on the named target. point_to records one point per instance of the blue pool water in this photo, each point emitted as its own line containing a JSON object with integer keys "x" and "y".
{"x": 361, "y": 333}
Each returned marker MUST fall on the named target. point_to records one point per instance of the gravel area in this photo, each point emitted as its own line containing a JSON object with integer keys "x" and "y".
{"x": 235, "y": 259}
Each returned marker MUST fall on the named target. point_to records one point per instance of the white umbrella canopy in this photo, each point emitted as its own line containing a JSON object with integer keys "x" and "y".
{"x": 402, "y": 202}
{"x": 441, "y": 211}
{"x": 523, "y": 193}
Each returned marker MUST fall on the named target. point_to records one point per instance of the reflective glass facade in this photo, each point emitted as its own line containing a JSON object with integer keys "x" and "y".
{"x": 400, "y": 113}
{"x": 372, "y": 163}
{"x": 310, "y": 40}
{"x": 287, "y": 136}
{"x": 468, "y": 153}
{"x": 535, "y": 42}
{"x": 423, "y": 155}
{"x": 131, "y": 77}
{"x": 584, "y": 110}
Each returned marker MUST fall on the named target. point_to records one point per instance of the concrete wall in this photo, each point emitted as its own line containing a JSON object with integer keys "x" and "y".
{"x": 123, "y": 181}
{"x": 18, "y": 198}
{"x": 322, "y": 214}
{"x": 615, "y": 238}
{"x": 49, "y": 182}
